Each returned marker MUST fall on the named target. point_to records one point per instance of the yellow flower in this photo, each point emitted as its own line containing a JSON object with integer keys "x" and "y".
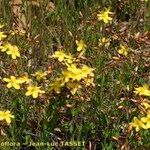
{"x": 40, "y": 75}
{"x": 104, "y": 42}
{"x": 34, "y": 91}
{"x": 6, "y": 115}
{"x": 104, "y": 16}
{"x": 13, "y": 51}
{"x": 138, "y": 124}
{"x": 61, "y": 56}
{"x": 2, "y": 36}
{"x": 123, "y": 50}
{"x": 13, "y": 82}
{"x": 10, "y": 50}
{"x": 80, "y": 45}
{"x": 143, "y": 90}
{"x": 5, "y": 47}
{"x": 147, "y": 121}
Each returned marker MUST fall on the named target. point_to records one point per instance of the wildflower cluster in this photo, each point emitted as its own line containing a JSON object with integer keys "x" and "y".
{"x": 53, "y": 92}
{"x": 74, "y": 74}
{"x": 34, "y": 90}
{"x": 123, "y": 49}
{"x": 142, "y": 122}
{"x": 7, "y": 47}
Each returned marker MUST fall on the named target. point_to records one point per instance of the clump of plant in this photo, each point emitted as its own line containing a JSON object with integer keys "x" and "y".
{"x": 69, "y": 77}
